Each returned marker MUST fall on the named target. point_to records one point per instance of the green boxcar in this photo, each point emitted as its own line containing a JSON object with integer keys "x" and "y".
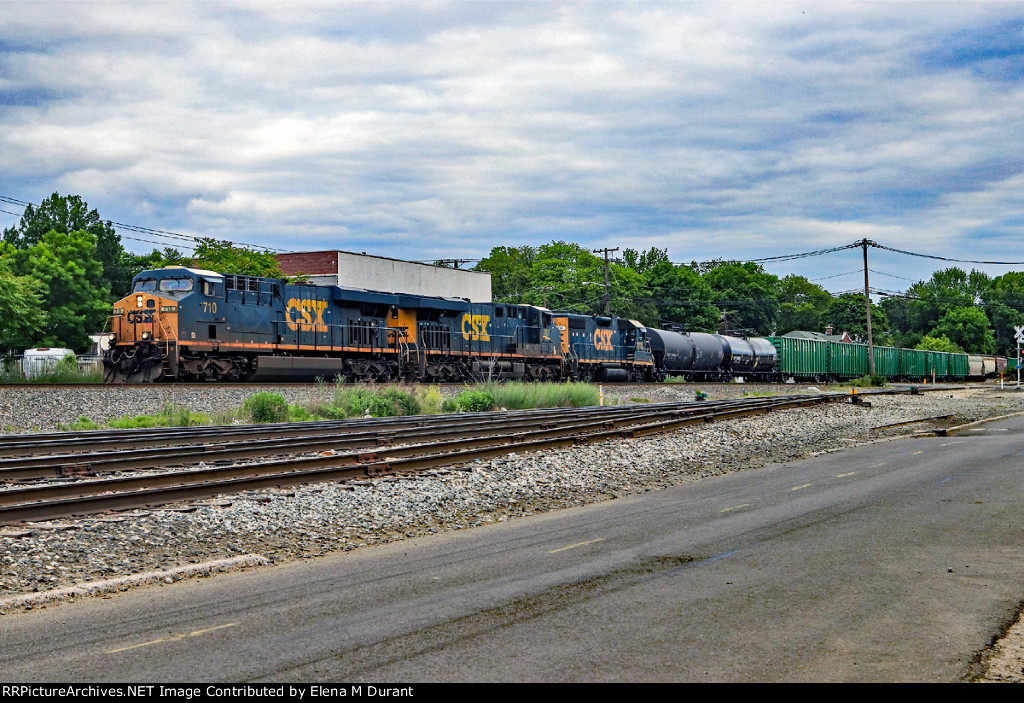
{"x": 847, "y": 360}
{"x": 801, "y": 358}
{"x": 959, "y": 366}
{"x": 887, "y": 362}
{"x": 913, "y": 364}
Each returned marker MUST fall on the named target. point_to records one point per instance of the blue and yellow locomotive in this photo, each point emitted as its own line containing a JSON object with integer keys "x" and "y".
{"x": 190, "y": 324}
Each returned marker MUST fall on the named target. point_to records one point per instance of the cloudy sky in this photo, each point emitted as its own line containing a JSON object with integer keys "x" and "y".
{"x": 441, "y": 129}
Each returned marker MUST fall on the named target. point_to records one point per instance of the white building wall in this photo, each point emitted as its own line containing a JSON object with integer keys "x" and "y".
{"x": 394, "y": 276}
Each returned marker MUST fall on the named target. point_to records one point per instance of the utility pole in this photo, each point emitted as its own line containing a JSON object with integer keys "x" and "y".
{"x": 544, "y": 290}
{"x": 867, "y": 303}
{"x": 607, "y": 285}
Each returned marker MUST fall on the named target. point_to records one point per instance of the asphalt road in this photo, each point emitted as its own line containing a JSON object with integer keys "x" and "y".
{"x": 897, "y": 561}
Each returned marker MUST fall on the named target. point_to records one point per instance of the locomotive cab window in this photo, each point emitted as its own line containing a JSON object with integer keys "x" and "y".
{"x": 211, "y": 289}
{"x": 176, "y": 286}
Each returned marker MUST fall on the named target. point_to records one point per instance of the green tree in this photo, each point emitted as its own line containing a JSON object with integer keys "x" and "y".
{"x": 847, "y": 313}
{"x": 747, "y": 294}
{"x": 644, "y": 262}
{"x": 968, "y": 328}
{"x": 927, "y": 301}
{"x": 511, "y": 270}
{"x": 570, "y": 276}
{"x": 225, "y": 257}
{"x": 939, "y": 344}
{"x": 801, "y": 304}
{"x": 70, "y": 213}
{"x": 22, "y": 312}
{"x": 157, "y": 259}
{"x": 76, "y": 296}
{"x": 678, "y": 294}
{"x": 1005, "y": 300}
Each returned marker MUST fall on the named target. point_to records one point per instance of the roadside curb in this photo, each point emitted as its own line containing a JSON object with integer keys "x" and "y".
{"x": 122, "y": 583}
{"x": 950, "y": 430}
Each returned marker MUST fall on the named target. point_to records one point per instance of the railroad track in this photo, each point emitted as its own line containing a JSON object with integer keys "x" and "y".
{"x": 310, "y": 452}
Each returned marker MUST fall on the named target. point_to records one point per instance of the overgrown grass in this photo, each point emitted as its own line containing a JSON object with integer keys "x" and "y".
{"x": 518, "y": 395}
{"x": 350, "y": 401}
{"x": 169, "y": 416}
{"x": 674, "y": 379}
{"x": 64, "y": 371}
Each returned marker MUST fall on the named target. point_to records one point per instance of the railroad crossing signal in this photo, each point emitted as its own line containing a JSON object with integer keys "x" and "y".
{"x": 1020, "y": 334}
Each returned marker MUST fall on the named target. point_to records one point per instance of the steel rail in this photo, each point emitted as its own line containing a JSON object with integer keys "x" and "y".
{"x": 79, "y": 465}
{"x": 34, "y": 503}
{"x": 94, "y": 440}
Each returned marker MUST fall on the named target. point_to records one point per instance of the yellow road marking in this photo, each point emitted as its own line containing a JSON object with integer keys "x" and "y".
{"x": 579, "y": 544}
{"x": 172, "y": 638}
{"x": 920, "y": 452}
{"x": 735, "y": 507}
{"x": 848, "y": 473}
{"x": 797, "y": 488}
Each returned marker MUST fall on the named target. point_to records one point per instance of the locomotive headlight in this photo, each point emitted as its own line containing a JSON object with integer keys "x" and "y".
{"x": 138, "y": 300}
{"x": 146, "y": 335}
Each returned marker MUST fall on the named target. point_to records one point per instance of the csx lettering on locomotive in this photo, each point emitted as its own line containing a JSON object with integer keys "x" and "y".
{"x": 139, "y": 316}
{"x": 603, "y": 340}
{"x": 475, "y": 327}
{"x": 303, "y": 319}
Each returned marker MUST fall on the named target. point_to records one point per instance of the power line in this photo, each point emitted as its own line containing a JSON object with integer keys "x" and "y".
{"x": 165, "y": 234}
{"x": 943, "y": 258}
{"x": 835, "y": 275}
{"x": 890, "y": 275}
{"x": 804, "y": 255}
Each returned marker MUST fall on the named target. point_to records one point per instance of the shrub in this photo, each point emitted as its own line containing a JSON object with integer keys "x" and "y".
{"x": 358, "y": 402}
{"x": 869, "y": 381}
{"x": 470, "y": 402}
{"x": 266, "y": 407}
{"x": 430, "y": 399}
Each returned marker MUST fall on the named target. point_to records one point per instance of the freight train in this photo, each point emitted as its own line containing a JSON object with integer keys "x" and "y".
{"x": 186, "y": 324}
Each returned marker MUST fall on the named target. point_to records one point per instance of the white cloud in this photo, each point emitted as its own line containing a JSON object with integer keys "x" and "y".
{"x": 447, "y": 128}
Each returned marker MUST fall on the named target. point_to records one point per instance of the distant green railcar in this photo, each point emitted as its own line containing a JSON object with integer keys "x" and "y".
{"x": 820, "y": 360}
{"x": 805, "y": 359}
{"x": 887, "y": 362}
{"x": 847, "y": 360}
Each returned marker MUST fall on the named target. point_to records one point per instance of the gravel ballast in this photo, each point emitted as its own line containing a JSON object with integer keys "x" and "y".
{"x": 313, "y": 520}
